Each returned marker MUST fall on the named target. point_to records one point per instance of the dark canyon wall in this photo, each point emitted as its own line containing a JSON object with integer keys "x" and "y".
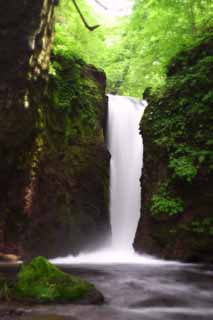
{"x": 53, "y": 160}
{"x": 177, "y": 181}
{"x": 68, "y": 195}
{"x": 25, "y": 37}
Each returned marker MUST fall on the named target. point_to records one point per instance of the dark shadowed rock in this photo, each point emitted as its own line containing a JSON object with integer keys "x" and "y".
{"x": 26, "y": 37}
{"x": 69, "y": 205}
{"x": 54, "y": 163}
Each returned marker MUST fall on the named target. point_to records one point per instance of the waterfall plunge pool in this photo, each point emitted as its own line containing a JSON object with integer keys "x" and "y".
{"x": 137, "y": 292}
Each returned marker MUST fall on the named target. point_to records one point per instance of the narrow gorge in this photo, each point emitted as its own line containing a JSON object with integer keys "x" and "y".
{"x": 106, "y": 160}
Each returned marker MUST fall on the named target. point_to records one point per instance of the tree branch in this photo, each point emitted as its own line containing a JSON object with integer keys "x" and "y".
{"x": 90, "y": 28}
{"x": 101, "y": 4}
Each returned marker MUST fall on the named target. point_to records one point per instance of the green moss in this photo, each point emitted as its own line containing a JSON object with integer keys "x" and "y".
{"x": 40, "y": 281}
{"x": 75, "y": 93}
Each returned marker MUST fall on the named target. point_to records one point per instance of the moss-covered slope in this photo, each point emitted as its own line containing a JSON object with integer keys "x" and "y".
{"x": 177, "y": 182}
{"x": 41, "y": 282}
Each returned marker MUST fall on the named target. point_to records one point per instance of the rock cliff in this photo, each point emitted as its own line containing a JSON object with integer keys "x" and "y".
{"x": 68, "y": 195}
{"x": 26, "y": 37}
{"x": 177, "y": 181}
{"x": 54, "y": 163}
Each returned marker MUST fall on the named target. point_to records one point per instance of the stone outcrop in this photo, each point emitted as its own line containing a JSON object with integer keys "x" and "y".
{"x": 54, "y": 163}
{"x": 68, "y": 196}
{"x": 177, "y": 196}
{"x": 26, "y": 37}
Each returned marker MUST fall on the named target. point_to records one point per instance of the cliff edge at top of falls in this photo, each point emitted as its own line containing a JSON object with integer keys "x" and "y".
{"x": 54, "y": 163}
{"x": 177, "y": 181}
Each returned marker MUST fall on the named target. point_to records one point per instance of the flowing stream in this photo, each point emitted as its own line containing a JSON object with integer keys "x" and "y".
{"x": 172, "y": 291}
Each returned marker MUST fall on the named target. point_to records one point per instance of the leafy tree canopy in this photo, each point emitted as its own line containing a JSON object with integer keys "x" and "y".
{"x": 135, "y": 51}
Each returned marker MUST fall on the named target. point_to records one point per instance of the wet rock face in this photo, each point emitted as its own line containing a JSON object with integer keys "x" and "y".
{"x": 68, "y": 195}
{"x": 177, "y": 130}
{"x": 25, "y": 36}
{"x": 54, "y": 162}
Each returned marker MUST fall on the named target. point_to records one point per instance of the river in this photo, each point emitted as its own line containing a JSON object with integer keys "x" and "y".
{"x": 165, "y": 291}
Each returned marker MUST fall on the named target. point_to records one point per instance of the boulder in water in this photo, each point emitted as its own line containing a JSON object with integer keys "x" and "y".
{"x": 39, "y": 281}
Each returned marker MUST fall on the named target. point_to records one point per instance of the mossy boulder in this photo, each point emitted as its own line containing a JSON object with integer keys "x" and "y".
{"x": 41, "y": 282}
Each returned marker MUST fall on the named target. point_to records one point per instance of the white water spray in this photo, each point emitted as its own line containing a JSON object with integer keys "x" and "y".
{"x": 126, "y": 149}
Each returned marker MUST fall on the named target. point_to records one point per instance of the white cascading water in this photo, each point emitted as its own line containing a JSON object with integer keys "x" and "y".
{"x": 126, "y": 148}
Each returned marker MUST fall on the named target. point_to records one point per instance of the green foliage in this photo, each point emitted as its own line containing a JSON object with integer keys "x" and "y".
{"x": 142, "y": 46}
{"x": 164, "y": 203}
{"x": 40, "y": 281}
{"x": 76, "y": 94}
{"x": 170, "y": 206}
{"x": 183, "y": 168}
{"x": 134, "y": 51}
{"x": 204, "y": 226}
{"x": 72, "y": 39}
{"x": 179, "y": 116}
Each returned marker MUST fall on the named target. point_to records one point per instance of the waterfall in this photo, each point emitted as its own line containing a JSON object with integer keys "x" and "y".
{"x": 126, "y": 149}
